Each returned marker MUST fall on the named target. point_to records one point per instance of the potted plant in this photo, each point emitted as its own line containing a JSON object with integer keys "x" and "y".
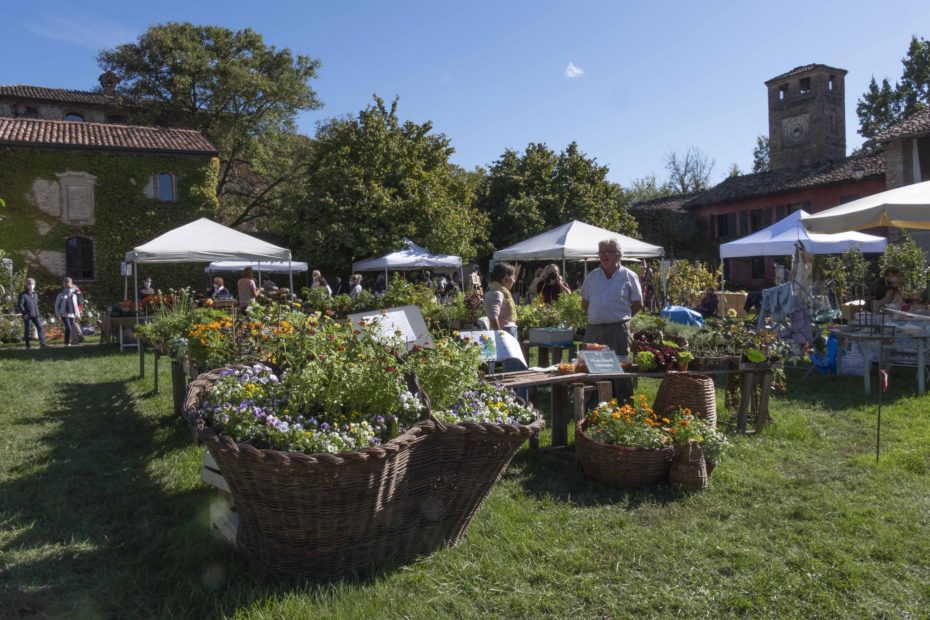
{"x": 627, "y": 445}
{"x": 684, "y": 358}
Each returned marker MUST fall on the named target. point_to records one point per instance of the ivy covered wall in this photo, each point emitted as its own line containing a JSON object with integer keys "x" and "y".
{"x": 124, "y": 216}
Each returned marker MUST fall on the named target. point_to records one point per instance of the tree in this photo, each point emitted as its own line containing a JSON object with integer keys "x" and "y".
{"x": 690, "y": 172}
{"x": 878, "y": 108}
{"x": 526, "y": 194}
{"x": 647, "y": 188}
{"x": 760, "y": 154}
{"x": 881, "y": 107}
{"x": 734, "y": 171}
{"x": 242, "y": 94}
{"x": 371, "y": 180}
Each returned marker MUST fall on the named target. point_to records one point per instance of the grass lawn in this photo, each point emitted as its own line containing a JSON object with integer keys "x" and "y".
{"x": 103, "y": 515}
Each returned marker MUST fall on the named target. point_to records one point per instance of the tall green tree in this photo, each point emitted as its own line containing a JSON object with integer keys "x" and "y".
{"x": 241, "y": 93}
{"x": 881, "y": 106}
{"x": 760, "y": 154}
{"x": 526, "y": 194}
{"x": 371, "y": 180}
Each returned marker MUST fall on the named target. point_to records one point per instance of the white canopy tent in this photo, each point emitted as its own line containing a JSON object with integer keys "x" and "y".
{"x": 903, "y": 207}
{"x": 410, "y": 258}
{"x": 782, "y": 237}
{"x": 206, "y": 241}
{"x": 225, "y": 266}
{"x": 574, "y": 241}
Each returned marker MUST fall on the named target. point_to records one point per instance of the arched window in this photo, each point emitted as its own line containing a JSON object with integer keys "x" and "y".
{"x": 79, "y": 258}
{"x": 165, "y": 187}
{"x": 74, "y": 116}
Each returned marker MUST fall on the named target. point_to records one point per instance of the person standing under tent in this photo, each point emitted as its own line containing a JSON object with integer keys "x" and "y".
{"x": 29, "y": 309}
{"x": 315, "y": 278}
{"x": 500, "y": 306}
{"x": 611, "y": 295}
{"x": 247, "y": 289}
{"x": 355, "y": 285}
{"x": 67, "y": 308}
{"x": 552, "y": 285}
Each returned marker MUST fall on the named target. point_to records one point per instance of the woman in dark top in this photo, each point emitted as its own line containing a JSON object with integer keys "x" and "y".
{"x": 552, "y": 284}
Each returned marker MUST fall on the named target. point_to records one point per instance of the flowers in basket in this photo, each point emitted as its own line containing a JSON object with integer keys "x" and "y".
{"x": 635, "y": 425}
{"x": 488, "y": 403}
{"x": 329, "y": 387}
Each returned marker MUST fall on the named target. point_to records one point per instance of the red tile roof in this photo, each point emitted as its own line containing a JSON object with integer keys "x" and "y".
{"x": 804, "y": 69}
{"x": 67, "y": 134}
{"x": 62, "y": 95}
{"x": 917, "y": 124}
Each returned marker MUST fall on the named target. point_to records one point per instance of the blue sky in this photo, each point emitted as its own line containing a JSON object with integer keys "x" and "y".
{"x": 630, "y": 82}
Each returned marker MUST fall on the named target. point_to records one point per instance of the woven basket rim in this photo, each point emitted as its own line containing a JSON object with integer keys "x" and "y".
{"x": 579, "y": 428}
{"x": 207, "y": 434}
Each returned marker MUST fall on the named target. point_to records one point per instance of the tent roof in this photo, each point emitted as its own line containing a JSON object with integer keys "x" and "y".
{"x": 780, "y": 238}
{"x": 410, "y": 257}
{"x": 575, "y": 240}
{"x": 205, "y": 241}
{"x": 226, "y": 266}
{"x": 904, "y": 207}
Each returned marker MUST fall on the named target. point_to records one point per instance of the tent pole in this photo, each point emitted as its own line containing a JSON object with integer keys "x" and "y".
{"x": 135, "y": 275}
{"x": 290, "y": 274}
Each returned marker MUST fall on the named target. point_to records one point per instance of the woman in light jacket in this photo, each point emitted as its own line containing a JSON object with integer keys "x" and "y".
{"x": 501, "y": 308}
{"x": 68, "y": 308}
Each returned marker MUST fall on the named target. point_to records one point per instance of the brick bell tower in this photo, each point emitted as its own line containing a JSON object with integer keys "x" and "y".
{"x": 807, "y": 121}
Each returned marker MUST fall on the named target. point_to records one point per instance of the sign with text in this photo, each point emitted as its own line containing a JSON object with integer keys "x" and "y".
{"x": 601, "y": 362}
{"x": 405, "y": 322}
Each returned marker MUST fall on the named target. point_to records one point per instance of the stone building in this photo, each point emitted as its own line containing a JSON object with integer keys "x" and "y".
{"x": 808, "y": 167}
{"x": 80, "y": 194}
{"x": 58, "y": 104}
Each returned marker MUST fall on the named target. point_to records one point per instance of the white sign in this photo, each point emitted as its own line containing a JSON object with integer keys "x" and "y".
{"x": 496, "y": 345}
{"x": 405, "y": 322}
{"x": 125, "y": 269}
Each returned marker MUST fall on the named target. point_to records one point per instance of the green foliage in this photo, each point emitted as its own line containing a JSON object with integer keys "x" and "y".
{"x": 171, "y": 322}
{"x": 372, "y": 180}
{"x": 124, "y": 216}
{"x": 911, "y": 260}
{"x": 563, "y": 312}
{"x": 881, "y": 107}
{"x": 526, "y": 194}
{"x": 851, "y": 273}
{"x": 760, "y": 154}
{"x": 242, "y": 94}
{"x": 688, "y": 279}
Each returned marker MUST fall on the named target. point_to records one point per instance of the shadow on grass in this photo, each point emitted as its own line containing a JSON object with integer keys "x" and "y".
{"x": 99, "y": 537}
{"x": 56, "y": 353}
{"x": 556, "y": 475}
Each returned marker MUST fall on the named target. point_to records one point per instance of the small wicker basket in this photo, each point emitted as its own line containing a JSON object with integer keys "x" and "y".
{"x": 690, "y": 390}
{"x": 689, "y": 471}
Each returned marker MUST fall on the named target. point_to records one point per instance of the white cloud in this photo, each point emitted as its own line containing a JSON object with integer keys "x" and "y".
{"x": 81, "y": 30}
{"x": 571, "y": 71}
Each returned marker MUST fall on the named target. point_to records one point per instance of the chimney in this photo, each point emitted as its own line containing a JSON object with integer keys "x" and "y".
{"x": 108, "y": 82}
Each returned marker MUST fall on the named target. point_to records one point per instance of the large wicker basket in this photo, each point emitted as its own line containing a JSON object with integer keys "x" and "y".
{"x": 621, "y": 465}
{"x": 323, "y": 516}
{"x": 690, "y": 390}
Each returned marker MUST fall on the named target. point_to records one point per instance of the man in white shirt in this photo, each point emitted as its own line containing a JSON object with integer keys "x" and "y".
{"x": 611, "y": 295}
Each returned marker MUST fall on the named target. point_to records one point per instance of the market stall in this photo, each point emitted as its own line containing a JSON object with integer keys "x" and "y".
{"x": 410, "y": 258}
{"x": 574, "y": 241}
